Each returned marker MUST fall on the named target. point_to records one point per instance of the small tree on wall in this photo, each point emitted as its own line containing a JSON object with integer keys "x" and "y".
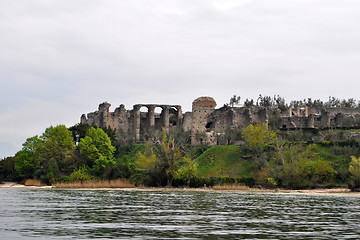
{"x": 234, "y": 100}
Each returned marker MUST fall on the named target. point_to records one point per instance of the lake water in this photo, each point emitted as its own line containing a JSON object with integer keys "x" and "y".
{"x": 115, "y": 214}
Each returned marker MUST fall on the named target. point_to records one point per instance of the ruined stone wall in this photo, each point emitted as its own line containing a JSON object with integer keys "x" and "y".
{"x": 323, "y": 118}
{"x": 344, "y": 111}
{"x": 220, "y": 119}
{"x": 298, "y": 122}
{"x": 134, "y": 122}
{"x": 207, "y": 122}
{"x": 187, "y": 121}
{"x": 235, "y": 117}
{"x": 119, "y": 119}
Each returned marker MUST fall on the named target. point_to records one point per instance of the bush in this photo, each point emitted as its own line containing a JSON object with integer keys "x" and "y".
{"x": 354, "y": 169}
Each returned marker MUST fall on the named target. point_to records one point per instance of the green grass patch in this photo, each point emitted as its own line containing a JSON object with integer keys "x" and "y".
{"x": 224, "y": 161}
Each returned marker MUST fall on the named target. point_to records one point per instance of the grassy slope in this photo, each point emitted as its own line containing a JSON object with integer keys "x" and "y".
{"x": 224, "y": 161}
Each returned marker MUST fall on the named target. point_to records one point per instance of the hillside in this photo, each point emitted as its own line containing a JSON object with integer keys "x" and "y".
{"x": 224, "y": 161}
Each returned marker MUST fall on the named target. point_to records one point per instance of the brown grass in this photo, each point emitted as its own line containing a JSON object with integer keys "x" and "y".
{"x": 33, "y": 182}
{"x": 234, "y": 186}
{"x": 118, "y": 183}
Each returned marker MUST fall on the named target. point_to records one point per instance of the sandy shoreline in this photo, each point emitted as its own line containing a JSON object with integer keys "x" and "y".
{"x": 321, "y": 191}
{"x": 17, "y": 185}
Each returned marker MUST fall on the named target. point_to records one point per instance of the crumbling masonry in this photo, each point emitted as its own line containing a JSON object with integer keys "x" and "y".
{"x": 209, "y": 122}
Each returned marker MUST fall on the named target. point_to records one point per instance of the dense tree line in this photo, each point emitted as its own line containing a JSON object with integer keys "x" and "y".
{"x": 279, "y": 102}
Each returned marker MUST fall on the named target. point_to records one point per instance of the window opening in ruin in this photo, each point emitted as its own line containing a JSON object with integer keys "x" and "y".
{"x": 158, "y": 123}
{"x": 172, "y": 120}
{"x": 173, "y": 112}
{"x": 158, "y": 110}
{"x": 143, "y": 119}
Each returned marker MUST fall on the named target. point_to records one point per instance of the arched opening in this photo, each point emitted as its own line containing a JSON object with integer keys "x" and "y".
{"x": 158, "y": 120}
{"x": 143, "y": 119}
{"x": 173, "y": 117}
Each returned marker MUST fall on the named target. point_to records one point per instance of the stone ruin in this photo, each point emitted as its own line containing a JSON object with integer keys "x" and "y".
{"x": 209, "y": 122}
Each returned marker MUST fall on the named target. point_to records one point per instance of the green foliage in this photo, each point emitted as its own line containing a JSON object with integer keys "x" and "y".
{"x": 81, "y": 174}
{"x": 161, "y": 161}
{"x": 187, "y": 169}
{"x": 354, "y": 169}
{"x": 97, "y": 149}
{"x": 25, "y": 163}
{"x": 95, "y": 145}
{"x": 264, "y": 101}
{"x": 234, "y": 100}
{"x": 79, "y": 131}
{"x": 322, "y": 171}
{"x": 257, "y": 136}
{"x": 149, "y": 170}
{"x": 7, "y": 169}
{"x": 224, "y": 161}
{"x": 302, "y": 166}
{"x": 111, "y": 133}
{"x": 182, "y": 139}
{"x": 103, "y": 167}
{"x": 275, "y": 120}
{"x": 249, "y": 103}
{"x": 47, "y": 157}
{"x": 55, "y": 153}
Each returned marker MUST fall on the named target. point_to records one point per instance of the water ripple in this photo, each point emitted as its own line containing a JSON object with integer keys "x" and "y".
{"x": 84, "y": 214}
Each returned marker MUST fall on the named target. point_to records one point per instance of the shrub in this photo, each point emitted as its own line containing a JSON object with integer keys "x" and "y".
{"x": 354, "y": 170}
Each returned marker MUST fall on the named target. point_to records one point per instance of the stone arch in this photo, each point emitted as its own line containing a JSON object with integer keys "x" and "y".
{"x": 158, "y": 120}
{"x": 175, "y": 115}
{"x": 150, "y": 119}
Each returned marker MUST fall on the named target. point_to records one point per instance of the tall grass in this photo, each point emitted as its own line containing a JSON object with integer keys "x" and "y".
{"x": 234, "y": 186}
{"x": 33, "y": 182}
{"x": 118, "y": 183}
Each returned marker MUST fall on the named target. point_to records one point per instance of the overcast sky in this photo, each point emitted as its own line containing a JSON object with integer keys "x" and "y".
{"x": 61, "y": 58}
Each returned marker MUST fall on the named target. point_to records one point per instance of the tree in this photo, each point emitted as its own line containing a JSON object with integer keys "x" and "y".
{"x": 249, "y": 103}
{"x": 187, "y": 169}
{"x": 103, "y": 167}
{"x": 265, "y": 101}
{"x": 280, "y": 103}
{"x": 7, "y": 169}
{"x": 79, "y": 131}
{"x": 294, "y": 160}
{"x": 354, "y": 169}
{"x": 55, "y": 153}
{"x": 149, "y": 170}
{"x": 161, "y": 160}
{"x": 322, "y": 171}
{"x": 169, "y": 155}
{"x": 25, "y": 163}
{"x": 96, "y": 144}
{"x": 96, "y": 147}
{"x": 234, "y": 100}
{"x": 257, "y": 136}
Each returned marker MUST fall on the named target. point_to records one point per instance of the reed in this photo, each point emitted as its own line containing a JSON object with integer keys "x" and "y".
{"x": 235, "y": 186}
{"x": 33, "y": 182}
{"x": 117, "y": 183}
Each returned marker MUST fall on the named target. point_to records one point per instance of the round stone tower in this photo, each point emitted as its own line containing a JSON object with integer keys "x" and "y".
{"x": 201, "y": 108}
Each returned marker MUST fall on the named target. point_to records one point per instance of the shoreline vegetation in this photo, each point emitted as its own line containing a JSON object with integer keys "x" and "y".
{"x": 125, "y": 186}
